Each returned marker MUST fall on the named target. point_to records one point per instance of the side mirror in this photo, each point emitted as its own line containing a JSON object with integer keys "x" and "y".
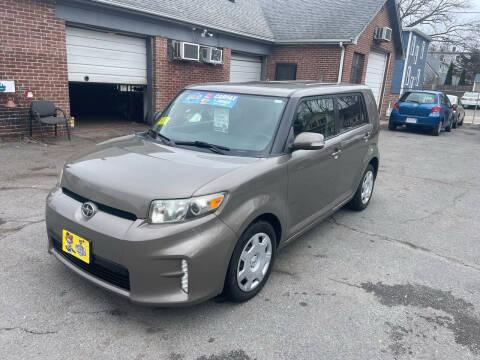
{"x": 308, "y": 141}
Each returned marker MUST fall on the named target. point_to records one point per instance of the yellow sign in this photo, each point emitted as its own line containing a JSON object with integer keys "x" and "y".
{"x": 76, "y": 246}
{"x": 163, "y": 120}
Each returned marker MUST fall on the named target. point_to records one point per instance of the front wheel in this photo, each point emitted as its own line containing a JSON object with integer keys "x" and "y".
{"x": 449, "y": 127}
{"x": 251, "y": 262}
{"x": 455, "y": 123}
{"x": 364, "y": 192}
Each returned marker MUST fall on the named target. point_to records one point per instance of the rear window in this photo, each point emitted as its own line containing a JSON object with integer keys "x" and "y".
{"x": 419, "y": 98}
{"x": 471, "y": 95}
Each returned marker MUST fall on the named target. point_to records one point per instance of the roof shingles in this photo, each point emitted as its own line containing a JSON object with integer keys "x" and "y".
{"x": 271, "y": 20}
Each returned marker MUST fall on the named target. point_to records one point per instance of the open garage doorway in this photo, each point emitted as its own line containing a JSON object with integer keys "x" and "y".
{"x": 96, "y": 105}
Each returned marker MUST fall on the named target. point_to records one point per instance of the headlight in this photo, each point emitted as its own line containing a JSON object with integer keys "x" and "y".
{"x": 172, "y": 211}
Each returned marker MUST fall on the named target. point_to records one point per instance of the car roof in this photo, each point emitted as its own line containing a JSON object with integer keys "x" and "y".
{"x": 279, "y": 88}
{"x": 425, "y": 91}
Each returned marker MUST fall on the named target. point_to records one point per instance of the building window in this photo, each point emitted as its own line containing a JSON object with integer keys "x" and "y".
{"x": 316, "y": 115}
{"x": 423, "y": 50}
{"x": 417, "y": 49}
{"x": 286, "y": 72}
{"x": 407, "y": 76}
{"x": 418, "y": 76}
{"x": 357, "y": 68}
{"x": 414, "y": 42}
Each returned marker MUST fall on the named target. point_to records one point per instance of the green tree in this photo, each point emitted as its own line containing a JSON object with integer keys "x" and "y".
{"x": 463, "y": 77}
{"x": 470, "y": 62}
{"x": 448, "y": 79}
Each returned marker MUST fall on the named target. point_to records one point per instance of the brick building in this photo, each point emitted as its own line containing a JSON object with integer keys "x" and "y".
{"x": 126, "y": 59}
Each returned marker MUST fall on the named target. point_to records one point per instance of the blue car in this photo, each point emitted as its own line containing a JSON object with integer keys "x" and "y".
{"x": 430, "y": 109}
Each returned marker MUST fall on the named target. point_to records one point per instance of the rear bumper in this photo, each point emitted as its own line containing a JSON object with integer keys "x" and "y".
{"x": 428, "y": 121}
{"x": 141, "y": 261}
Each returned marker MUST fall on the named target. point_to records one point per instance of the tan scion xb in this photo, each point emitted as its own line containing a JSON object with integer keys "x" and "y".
{"x": 228, "y": 174}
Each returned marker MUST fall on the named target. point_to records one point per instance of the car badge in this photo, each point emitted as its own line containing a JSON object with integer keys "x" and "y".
{"x": 89, "y": 209}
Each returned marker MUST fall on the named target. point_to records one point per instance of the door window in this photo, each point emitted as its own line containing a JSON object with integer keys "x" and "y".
{"x": 315, "y": 115}
{"x": 351, "y": 112}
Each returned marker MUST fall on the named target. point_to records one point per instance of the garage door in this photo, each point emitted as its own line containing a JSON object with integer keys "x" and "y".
{"x": 375, "y": 73}
{"x": 104, "y": 57}
{"x": 245, "y": 68}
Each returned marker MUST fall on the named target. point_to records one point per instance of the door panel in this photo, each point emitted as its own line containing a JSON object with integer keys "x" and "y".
{"x": 312, "y": 184}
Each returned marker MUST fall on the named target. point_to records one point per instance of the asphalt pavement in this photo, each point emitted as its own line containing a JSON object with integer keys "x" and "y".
{"x": 400, "y": 280}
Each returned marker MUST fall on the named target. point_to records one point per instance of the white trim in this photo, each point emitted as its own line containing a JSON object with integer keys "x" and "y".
{"x": 419, "y": 72}
{"x": 423, "y": 49}
{"x": 417, "y": 50}
{"x": 406, "y": 62}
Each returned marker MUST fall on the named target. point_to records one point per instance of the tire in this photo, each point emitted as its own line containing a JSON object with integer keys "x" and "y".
{"x": 448, "y": 128}
{"x": 359, "y": 201}
{"x": 242, "y": 282}
{"x": 461, "y": 122}
{"x": 391, "y": 126}
{"x": 436, "y": 130}
{"x": 454, "y": 125}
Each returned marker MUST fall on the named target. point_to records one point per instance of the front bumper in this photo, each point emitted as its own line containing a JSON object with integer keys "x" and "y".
{"x": 427, "y": 121}
{"x": 141, "y": 261}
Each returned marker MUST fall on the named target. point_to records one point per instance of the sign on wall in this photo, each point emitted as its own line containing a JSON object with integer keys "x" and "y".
{"x": 7, "y": 86}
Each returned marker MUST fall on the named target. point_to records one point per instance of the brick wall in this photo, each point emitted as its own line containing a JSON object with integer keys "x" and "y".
{"x": 171, "y": 76}
{"x": 366, "y": 44}
{"x": 33, "y": 53}
{"x": 314, "y": 62}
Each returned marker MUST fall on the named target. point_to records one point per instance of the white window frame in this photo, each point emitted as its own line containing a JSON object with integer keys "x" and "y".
{"x": 423, "y": 50}
{"x": 419, "y": 72}
{"x": 417, "y": 49}
{"x": 412, "y": 47}
{"x": 407, "y": 77}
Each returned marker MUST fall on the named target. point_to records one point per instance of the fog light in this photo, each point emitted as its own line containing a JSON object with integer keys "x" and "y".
{"x": 185, "y": 276}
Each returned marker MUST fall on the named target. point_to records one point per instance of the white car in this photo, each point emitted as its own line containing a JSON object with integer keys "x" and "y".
{"x": 470, "y": 99}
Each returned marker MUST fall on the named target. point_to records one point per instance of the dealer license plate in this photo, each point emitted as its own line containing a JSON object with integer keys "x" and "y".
{"x": 411, "y": 120}
{"x": 75, "y": 245}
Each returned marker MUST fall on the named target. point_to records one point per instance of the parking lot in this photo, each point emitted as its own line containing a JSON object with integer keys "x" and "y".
{"x": 397, "y": 281}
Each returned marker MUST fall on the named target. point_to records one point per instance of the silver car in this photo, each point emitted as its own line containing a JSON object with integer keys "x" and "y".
{"x": 201, "y": 203}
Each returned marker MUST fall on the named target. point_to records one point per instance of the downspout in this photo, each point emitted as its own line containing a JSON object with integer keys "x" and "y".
{"x": 342, "y": 58}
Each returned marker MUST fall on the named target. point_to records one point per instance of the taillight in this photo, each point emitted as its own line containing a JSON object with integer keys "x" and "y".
{"x": 397, "y": 107}
{"x": 436, "y": 110}
{"x": 454, "y": 107}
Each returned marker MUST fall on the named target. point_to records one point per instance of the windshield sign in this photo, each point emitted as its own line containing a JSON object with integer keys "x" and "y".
{"x": 245, "y": 124}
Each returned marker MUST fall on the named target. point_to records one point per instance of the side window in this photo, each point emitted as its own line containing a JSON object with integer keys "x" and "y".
{"x": 351, "y": 112}
{"x": 316, "y": 115}
{"x": 285, "y": 72}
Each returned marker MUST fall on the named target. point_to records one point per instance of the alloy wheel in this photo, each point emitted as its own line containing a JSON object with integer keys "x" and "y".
{"x": 367, "y": 186}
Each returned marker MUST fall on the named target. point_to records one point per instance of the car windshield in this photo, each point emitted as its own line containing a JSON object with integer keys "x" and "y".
{"x": 471, "y": 95}
{"x": 241, "y": 124}
{"x": 419, "y": 98}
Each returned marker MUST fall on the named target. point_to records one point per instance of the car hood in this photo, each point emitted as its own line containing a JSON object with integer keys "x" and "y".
{"x": 127, "y": 173}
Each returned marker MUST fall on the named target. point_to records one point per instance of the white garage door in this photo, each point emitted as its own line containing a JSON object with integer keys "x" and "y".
{"x": 105, "y": 57}
{"x": 375, "y": 73}
{"x": 245, "y": 68}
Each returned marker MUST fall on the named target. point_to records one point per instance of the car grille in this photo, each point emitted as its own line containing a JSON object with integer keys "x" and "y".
{"x": 104, "y": 269}
{"x": 104, "y": 208}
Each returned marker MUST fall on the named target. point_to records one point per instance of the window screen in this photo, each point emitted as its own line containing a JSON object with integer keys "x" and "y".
{"x": 357, "y": 68}
{"x": 285, "y": 72}
{"x": 351, "y": 112}
{"x": 316, "y": 115}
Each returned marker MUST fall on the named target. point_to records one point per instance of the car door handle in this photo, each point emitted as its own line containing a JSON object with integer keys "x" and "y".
{"x": 336, "y": 153}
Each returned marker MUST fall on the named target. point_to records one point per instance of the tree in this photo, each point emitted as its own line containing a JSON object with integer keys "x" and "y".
{"x": 470, "y": 63}
{"x": 463, "y": 75}
{"x": 449, "y": 78}
{"x": 439, "y": 19}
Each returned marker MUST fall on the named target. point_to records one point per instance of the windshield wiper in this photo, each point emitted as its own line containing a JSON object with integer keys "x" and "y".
{"x": 219, "y": 149}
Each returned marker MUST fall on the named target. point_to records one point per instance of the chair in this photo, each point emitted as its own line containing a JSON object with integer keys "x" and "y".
{"x": 45, "y": 112}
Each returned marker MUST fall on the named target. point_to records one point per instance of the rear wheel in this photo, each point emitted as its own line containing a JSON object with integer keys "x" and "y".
{"x": 391, "y": 126}
{"x": 251, "y": 262}
{"x": 436, "y": 130}
{"x": 364, "y": 192}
